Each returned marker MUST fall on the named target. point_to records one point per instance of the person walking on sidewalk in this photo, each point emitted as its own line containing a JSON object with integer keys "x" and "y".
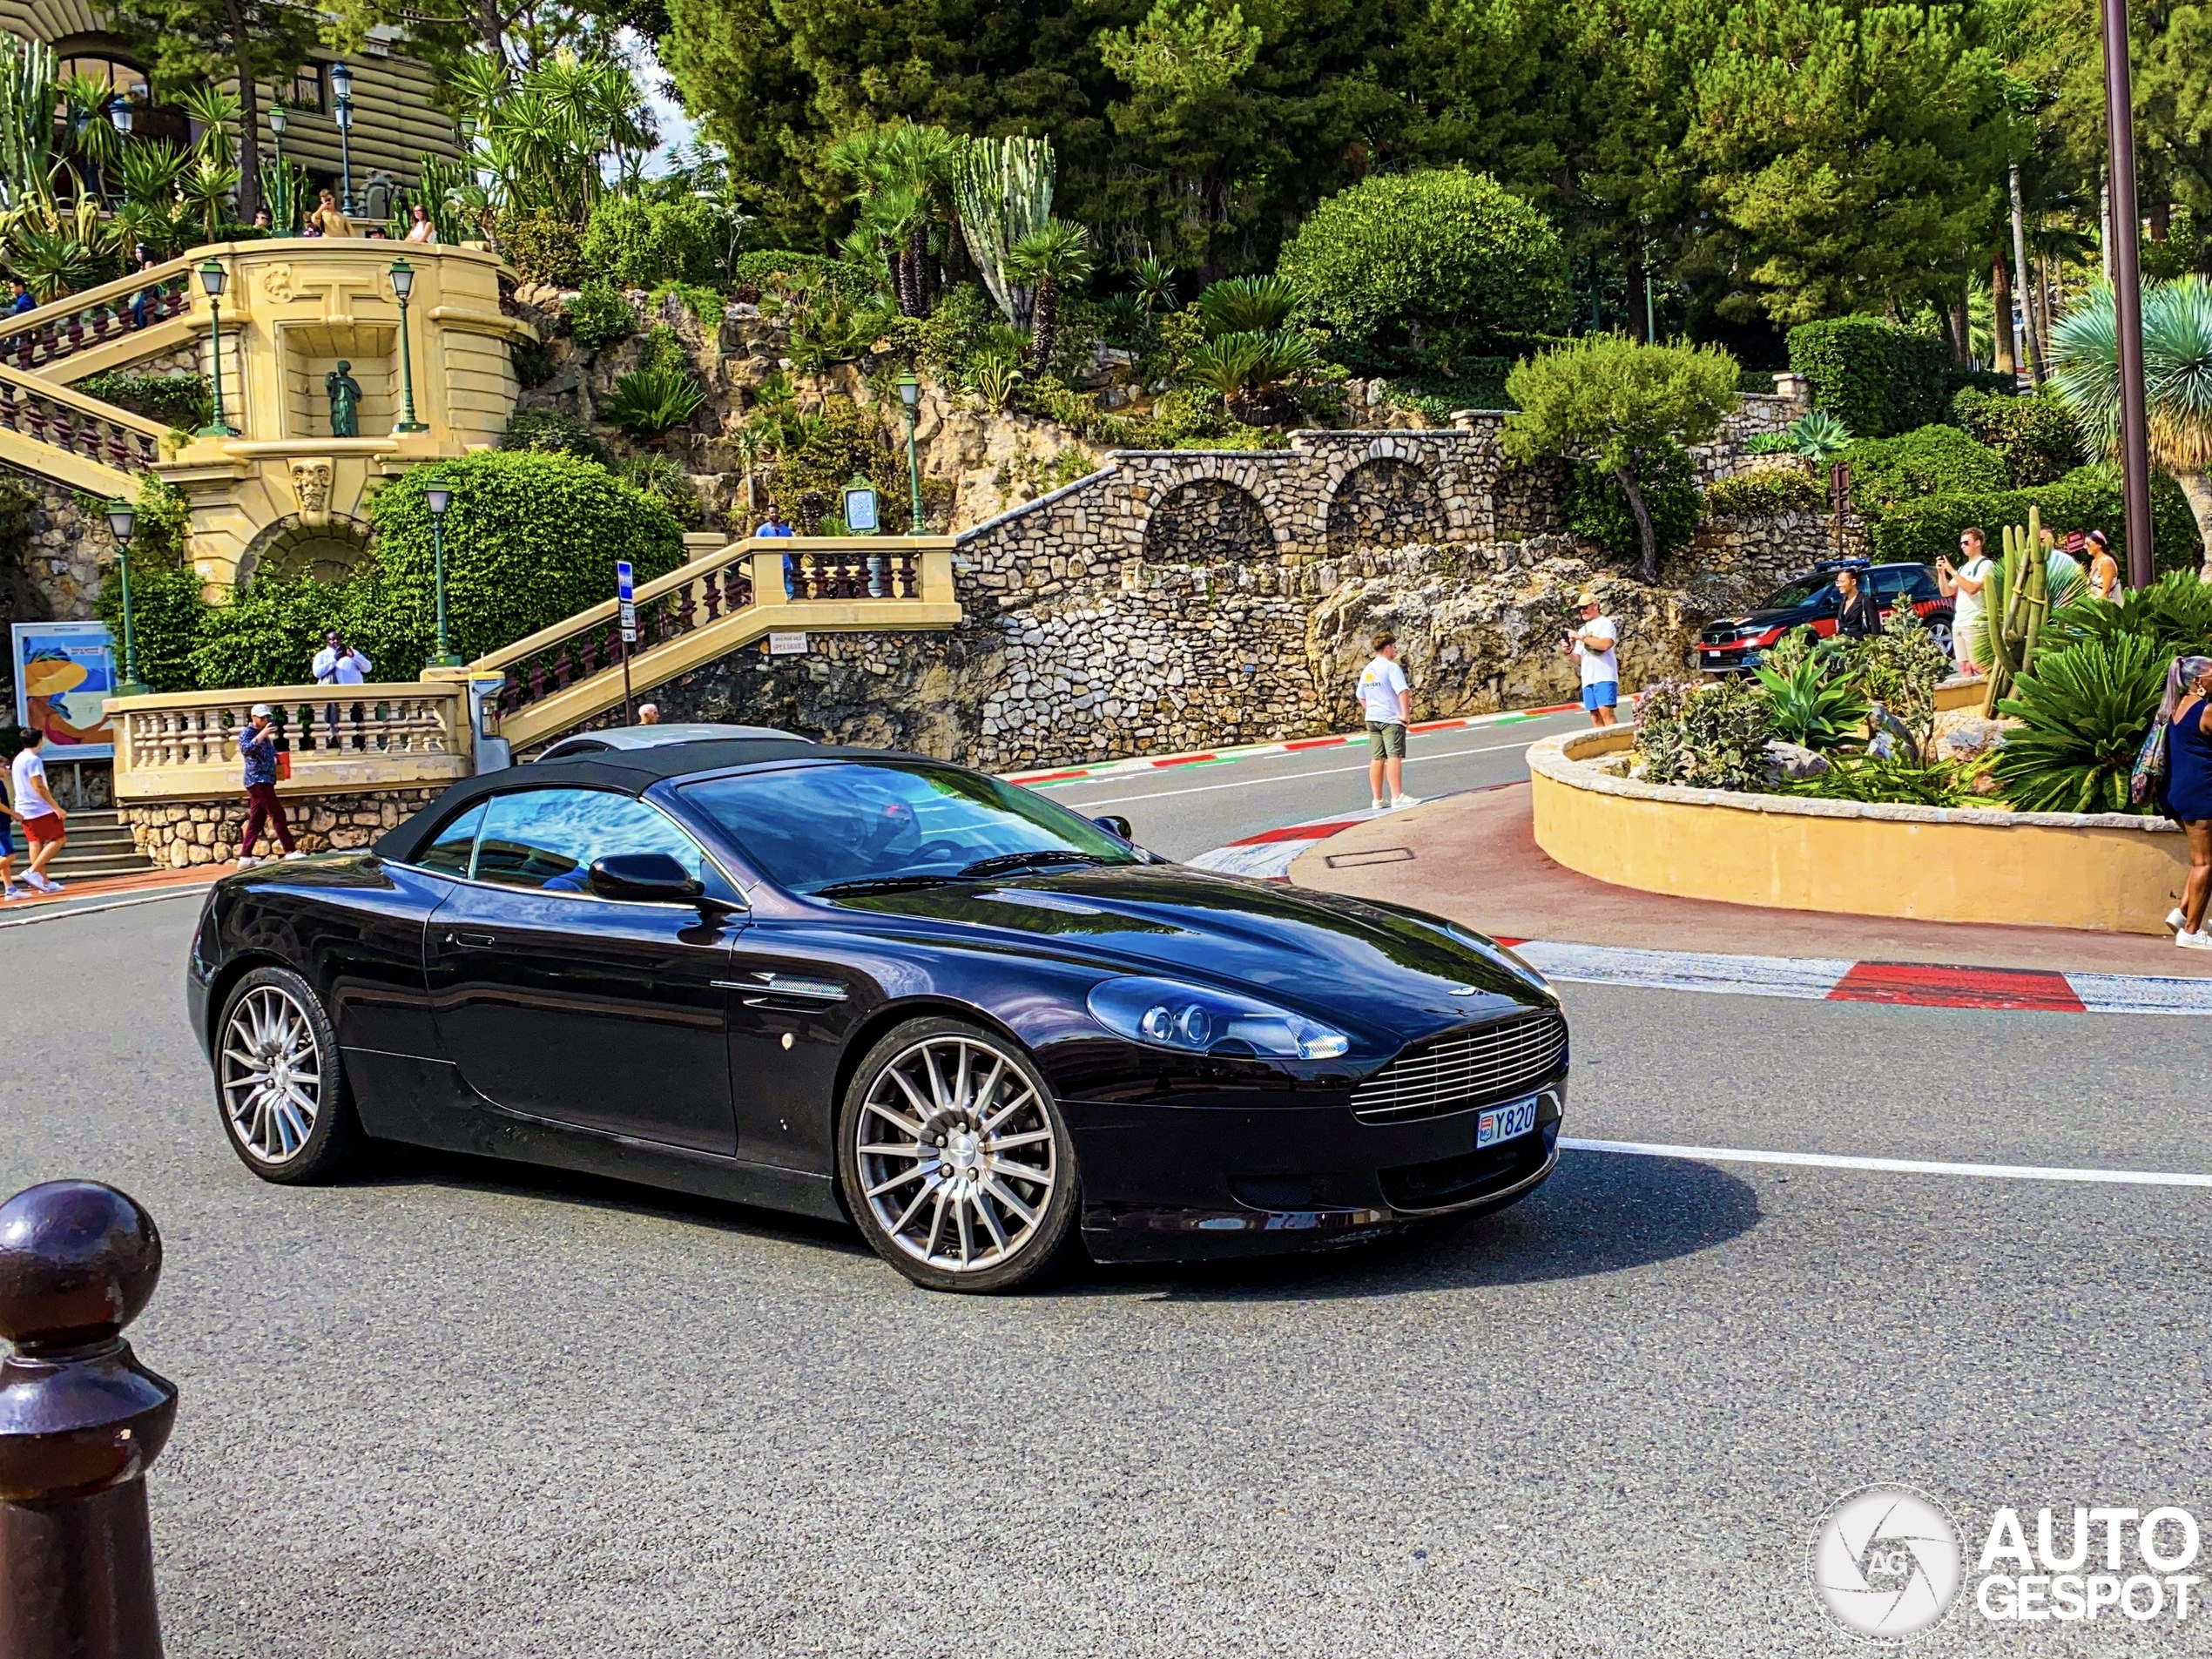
{"x": 8, "y": 815}
{"x": 1592, "y": 644}
{"x": 2186, "y": 789}
{"x": 1387, "y": 701}
{"x": 258, "y": 747}
{"x": 44, "y": 825}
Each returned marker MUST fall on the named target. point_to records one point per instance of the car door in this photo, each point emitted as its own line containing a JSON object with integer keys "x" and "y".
{"x": 596, "y": 1012}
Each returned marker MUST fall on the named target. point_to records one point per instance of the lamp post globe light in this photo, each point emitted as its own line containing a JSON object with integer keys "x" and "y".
{"x": 213, "y": 276}
{"x": 440, "y": 496}
{"x": 123, "y": 523}
{"x": 402, "y": 275}
{"x": 910, "y": 396}
{"x": 342, "y": 110}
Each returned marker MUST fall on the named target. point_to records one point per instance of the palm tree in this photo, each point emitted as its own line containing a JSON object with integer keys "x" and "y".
{"x": 1155, "y": 285}
{"x": 2177, "y": 384}
{"x": 1052, "y": 257}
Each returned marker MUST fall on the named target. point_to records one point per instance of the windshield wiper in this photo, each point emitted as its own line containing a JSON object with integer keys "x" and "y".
{"x": 1006, "y": 862}
{"x": 882, "y": 884}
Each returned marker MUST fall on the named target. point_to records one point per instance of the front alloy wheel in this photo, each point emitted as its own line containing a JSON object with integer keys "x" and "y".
{"x": 278, "y": 1081}
{"x": 954, "y": 1160}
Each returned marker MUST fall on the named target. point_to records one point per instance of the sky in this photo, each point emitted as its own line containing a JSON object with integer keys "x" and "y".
{"x": 676, "y": 127}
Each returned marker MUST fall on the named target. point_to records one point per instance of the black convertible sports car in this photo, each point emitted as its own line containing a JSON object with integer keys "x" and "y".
{"x": 852, "y": 983}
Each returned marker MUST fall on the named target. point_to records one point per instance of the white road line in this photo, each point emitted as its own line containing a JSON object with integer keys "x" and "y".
{"x": 1894, "y": 1166}
{"x": 1292, "y": 777}
{"x": 59, "y": 912}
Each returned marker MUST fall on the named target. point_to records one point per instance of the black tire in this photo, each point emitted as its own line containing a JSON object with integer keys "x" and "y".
{"x": 969, "y": 1223}
{"x": 280, "y": 1084}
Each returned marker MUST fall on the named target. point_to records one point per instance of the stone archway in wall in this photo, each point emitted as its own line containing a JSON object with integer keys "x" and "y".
{"x": 330, "y": 550}
{"x": 1208, "y": 520}
{"x": 1385, "y": 503}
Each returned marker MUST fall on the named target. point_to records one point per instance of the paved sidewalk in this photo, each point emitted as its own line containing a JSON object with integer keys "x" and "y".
{"x": 81, "y": 894}
{"x": 1474, "y": 858}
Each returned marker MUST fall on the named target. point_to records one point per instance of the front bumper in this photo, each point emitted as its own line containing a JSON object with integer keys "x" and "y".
{"x": 1180, "y": 1183}
{"x": 1727, "y": 659}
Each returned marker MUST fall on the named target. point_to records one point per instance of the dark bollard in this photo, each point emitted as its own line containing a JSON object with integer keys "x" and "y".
{"x": 81, "y": 1421}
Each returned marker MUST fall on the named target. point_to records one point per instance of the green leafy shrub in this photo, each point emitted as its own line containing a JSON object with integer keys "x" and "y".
{"x": 530, "y": 539}
{"x": 1892, "y": 783}
{"x": 661, "y": 478}
{"x": 541, "y": 244}
{"x": 1930, "y": 461}
{"x": 831, "y": 446}
{"x": 635, "y": 243}
{"x": 1809, "y": 707}
{"x": 186, "y": 400}
{"x": 1770, "y": 443}
{"x": 167, "y": 612}
{"x": 781, "y": 270}
{"x": 1899, "y": 668}
{"x": 2037, "y": 436}
{"x": 1875, "y": 377}
{"x": 2084, "y": 712}
{"x": 962, "y": 325}
{"x": 1476, "y": 383}
{"x": 1416, "y": 270}
{"x": 548, "y": 432}
{"x": 598, "y": 316}
{"x": 1989, "y": 382}
{"x": 1764, "y": 491}
{"x": 269, "y": 634}
{"x": 1597, "y": 508}
{"x": 1704, "y": 735}
{"x": 2175, "y": 613}
{"x": 2087, "y": 498}
{"x": 533, "y": 360}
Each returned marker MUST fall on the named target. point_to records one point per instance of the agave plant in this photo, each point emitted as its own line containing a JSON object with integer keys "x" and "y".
{"x": 1818, "y": 436}
{"x": 1809, "y": 708}
{"x": 995, "y": 378}
{"x": 1246, "y": 305}
{"x": 2177, "y": 384}
{"x": 651, "y": 402}
{"x": 2175, "y": 613}
{"x": 57, "y": 251}
{"x": 213, "y": 109}
{"x": 2084, "y": 712}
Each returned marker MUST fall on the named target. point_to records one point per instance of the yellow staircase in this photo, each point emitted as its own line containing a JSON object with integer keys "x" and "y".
{"x": 571, "y": 673}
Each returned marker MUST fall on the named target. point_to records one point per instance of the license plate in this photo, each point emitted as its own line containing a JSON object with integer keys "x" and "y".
{"x": 1504, "y": 1123}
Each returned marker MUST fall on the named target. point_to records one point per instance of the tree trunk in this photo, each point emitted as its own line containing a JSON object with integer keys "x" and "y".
{"x": 1639, "y": 313}
{"x": 2000, "y": 314}
{"x": 1047, "y": 322}
{"x": 2197, "y": 485}
{"x": 1962, "y": 324}
{"x": 2159, "y": 216}
{"x": 249, "y": 116}
{"x": 1647, "y": 566}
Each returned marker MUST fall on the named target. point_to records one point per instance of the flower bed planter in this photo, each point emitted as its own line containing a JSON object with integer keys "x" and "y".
{"x": 2104, "y": 872}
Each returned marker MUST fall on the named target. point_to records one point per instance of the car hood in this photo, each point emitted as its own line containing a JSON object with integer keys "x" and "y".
{"x": 1395, "y": 971}
{"x": 1771, "y": 619}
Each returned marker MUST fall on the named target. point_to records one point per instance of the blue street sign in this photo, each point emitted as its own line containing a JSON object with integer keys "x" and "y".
{"x": 621, "y": 578}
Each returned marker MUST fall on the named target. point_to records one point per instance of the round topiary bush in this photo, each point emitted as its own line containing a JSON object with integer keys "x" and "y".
{"x": 531, "y": 539}
{"x": 1597, "y": 508}
{"x": 1929, "y": 460}
{"x": 637, "y": 244}
{"x": 1418, "y": 270}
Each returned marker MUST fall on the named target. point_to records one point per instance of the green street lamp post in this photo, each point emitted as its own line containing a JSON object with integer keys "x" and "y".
{"x": 122, "y": 524}
{"x": 403, "y": 276}
{"x": 342, "y": 110}
{"x": 212, "y": 278}
{"x": 441, "y": 497}
{"x": 910, "y": 395}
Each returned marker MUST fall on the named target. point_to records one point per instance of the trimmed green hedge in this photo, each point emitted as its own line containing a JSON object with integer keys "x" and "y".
{"x": 186, "y": 400}
{"x": 637, "y": 244}
{"x": 758, "y": 271}
{"x": 1764, "y": 491}
{"x": 2037, "y": 435}
{"x": 1930, "y": 461}
{"x": 1423, "y": 270}
{"x": 1875, "y": 377}
{"x": 2087, "y": 498}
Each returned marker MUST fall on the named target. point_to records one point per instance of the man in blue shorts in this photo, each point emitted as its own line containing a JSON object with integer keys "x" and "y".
{"x": 1593, "y": 644}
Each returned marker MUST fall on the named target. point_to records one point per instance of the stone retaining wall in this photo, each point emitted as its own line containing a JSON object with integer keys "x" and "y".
{"x": 175, "y": 834}
{"x": 59, "y": 575}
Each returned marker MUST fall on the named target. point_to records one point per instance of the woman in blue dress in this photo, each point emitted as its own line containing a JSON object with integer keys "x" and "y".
{"x": 2187, "y": 797}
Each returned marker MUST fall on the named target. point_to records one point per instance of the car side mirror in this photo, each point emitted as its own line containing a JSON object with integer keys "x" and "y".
{"x": 643, "y": 877}
{"x": 1115, "y": 824}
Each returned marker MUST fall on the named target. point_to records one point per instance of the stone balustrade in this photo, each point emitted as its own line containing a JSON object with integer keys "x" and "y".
{"x": 183, "y": 746}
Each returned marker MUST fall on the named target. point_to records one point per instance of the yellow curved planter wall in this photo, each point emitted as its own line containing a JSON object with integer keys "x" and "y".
{"x": 2049, "y": 870}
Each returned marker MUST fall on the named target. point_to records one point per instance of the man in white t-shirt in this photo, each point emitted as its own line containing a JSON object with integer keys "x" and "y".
{"x": 1962, "y": 585}
{"x": 44, "y": 825}
{"x": 1387, "y": 702}
{"x": 1592, "y": 644}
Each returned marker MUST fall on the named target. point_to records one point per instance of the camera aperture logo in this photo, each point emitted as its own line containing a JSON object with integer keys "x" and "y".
{"x": 1886, "y": 1562}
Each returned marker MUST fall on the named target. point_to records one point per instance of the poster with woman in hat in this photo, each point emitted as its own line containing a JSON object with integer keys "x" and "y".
{"x": 65, "y": 673}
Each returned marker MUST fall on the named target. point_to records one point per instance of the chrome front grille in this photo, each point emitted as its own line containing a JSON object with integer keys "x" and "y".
{"x": 1465, "y": 1068}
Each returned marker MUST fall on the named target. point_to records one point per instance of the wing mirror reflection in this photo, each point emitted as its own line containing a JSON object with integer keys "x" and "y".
{"x": 643, "y": 877}
{"x": 1115, "y": 824}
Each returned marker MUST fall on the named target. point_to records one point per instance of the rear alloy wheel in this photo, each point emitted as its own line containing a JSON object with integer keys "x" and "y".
{"x": 954, "y": 1160}
{"x": 279, "y": 1082}
{"x": 1939, "y": 631}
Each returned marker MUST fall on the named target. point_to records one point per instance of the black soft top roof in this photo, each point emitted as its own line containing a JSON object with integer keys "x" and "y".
{"x": 632, "y": 772}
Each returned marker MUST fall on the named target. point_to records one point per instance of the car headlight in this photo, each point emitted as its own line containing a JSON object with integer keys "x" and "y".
{"x": 1165, "y": 1014}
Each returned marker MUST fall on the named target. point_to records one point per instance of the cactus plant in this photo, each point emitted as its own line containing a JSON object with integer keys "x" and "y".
{"x": 2016, "y": 601}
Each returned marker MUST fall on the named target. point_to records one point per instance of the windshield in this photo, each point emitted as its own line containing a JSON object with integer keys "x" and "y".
{"x": 1804, "y": 588}
{"x": 859, "y": 824}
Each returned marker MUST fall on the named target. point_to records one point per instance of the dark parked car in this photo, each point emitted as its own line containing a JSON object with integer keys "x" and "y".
{"x": 1733, "y": 644}
{"x": 847, "y": 982}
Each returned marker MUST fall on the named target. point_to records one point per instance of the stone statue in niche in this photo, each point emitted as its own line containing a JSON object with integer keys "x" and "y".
{"x": 345, "y": 402}
{"x": 311, "y": 484}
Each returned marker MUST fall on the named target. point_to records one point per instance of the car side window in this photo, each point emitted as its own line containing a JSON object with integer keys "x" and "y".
{"x": 547, "y": 839}
{"x": 454, "y": 848}
{"x": 1888, "y": 584}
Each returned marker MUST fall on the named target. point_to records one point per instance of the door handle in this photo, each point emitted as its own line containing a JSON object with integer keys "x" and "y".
{"x": 467, "y": 940}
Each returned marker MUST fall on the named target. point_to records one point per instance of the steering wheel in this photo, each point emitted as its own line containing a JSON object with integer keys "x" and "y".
{"x": 937, "y": 849}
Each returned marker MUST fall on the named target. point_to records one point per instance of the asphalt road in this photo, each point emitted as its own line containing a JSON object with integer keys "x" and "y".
{"x": 466, "y": 1409}
{"x": 1181, "y": 812}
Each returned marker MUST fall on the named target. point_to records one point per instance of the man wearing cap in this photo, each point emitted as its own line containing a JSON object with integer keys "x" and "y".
{"x": 258, "y": 747}
{"x": 1592, "y": 644}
